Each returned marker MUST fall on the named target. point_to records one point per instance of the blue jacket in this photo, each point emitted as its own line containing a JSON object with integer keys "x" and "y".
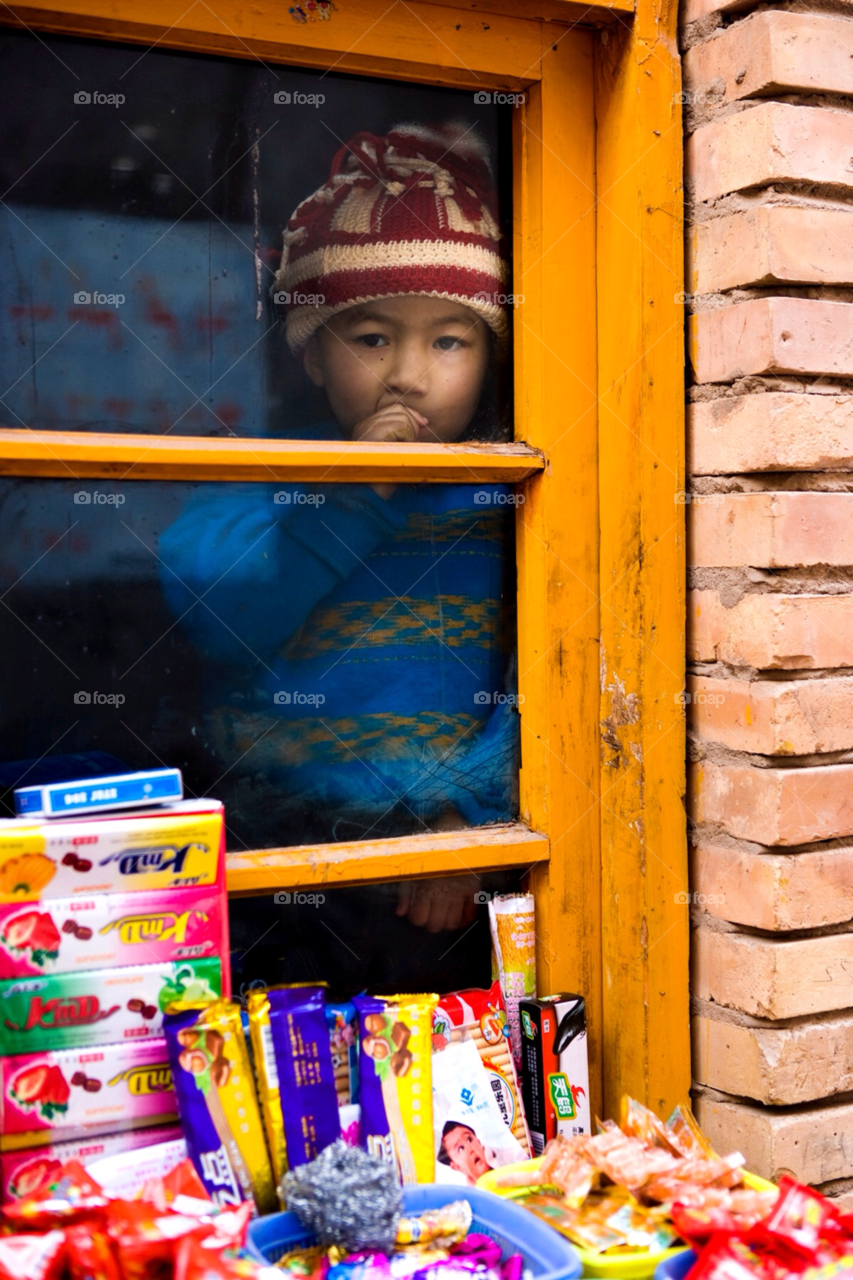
{"x": 356, "y": 644}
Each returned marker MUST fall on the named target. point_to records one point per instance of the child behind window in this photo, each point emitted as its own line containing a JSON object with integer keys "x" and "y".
{"x": 357, "y": 634}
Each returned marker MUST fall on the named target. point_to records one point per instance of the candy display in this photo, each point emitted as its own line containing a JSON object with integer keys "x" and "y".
{"x": 218, "y": 1104}
{"x": 395, "y": 1082}
{"x": 75, "y": 1010}
{"x": 174, "y": 847}
{"x": 105, "y": 931}
{"x": 554, "y": 1068}
{"x": 802, "y": 1234}
{"x": 480, "y": 1015}
{"x": 23, "y": 1172}
{"x": 512, "y": 922}
{"x": 616, "y": 1191}
{"x": 303, "y": 1059}
{"x": 74, "y": 1090}
{"x": 73, "y": 1228}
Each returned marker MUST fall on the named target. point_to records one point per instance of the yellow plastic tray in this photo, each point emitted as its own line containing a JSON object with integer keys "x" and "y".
{"x": 626, "y": 1266}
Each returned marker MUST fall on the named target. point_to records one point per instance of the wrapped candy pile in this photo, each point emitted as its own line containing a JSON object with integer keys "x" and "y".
{"x": 351, "y": 1202}
{"x": 616, "y": 1192}
{"x": 72, "y": 1230}
{"x": 802, "y": 1235}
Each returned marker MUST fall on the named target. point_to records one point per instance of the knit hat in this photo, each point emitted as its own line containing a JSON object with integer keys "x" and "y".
{"x": 413, "y": 212}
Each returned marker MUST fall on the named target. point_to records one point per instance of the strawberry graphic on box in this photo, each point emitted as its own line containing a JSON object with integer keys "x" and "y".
{"x": 32, "y": 931}
{"x": 32, "y": 1176}
{"x": 43, "y": 1087}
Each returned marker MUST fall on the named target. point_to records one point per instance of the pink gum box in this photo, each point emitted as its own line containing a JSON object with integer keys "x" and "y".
{"x": 23, "y": 1172}
{"x": 71, "y": 1091}
{"x": 110, "y": 930}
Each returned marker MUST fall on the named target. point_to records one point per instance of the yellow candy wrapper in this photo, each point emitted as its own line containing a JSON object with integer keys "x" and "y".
{"x": 513, "y": 925}
{"x": 269, "y": 1092}
{"x": 395, "y": 1078}
{"x": 218, "y": 1104}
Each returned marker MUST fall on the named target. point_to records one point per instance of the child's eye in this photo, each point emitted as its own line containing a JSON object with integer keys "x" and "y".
{"x": 372, "y": 340}
{"x": 449, "y": 344}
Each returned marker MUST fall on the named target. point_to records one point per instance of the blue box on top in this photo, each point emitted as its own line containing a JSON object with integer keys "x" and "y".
{"x": 92, "y": 795}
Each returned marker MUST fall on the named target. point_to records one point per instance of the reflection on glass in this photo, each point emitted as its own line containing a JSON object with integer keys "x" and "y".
{"x": 333, "y": 662}
{"x": 142, "y": 235}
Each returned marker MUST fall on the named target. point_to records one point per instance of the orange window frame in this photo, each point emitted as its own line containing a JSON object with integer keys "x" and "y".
{"x": 597, "y": 166}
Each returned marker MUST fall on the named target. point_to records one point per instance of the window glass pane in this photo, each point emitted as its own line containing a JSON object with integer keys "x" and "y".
{"x": 416, "y": 935}
{"x": 147, "y": 192}
{"x": 332, "y": 662}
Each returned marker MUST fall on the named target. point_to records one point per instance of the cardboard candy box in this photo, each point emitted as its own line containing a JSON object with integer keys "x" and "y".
{"x": 23, "y": 1172}
{"x": 76, "y": 1010}
{"x": 167, "y": 849}
{"x": 554, "y": 1068}
{"x": 75, "y": 1090}
{"x": 65, "y": 935}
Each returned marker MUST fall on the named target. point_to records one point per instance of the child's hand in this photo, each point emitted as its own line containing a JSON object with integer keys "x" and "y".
{"x": 439, "y": 905}
{"x": 395, "y": 423}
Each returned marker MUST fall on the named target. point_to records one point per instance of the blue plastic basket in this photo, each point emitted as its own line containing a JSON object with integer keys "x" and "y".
{"x": 676, "y": 1268}
{"x": 547, "y": 1255}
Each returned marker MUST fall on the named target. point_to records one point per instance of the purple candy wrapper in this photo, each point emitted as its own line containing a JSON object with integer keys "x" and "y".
{"x": 218, "y": 1105}
{"x": 309, "y": 1103}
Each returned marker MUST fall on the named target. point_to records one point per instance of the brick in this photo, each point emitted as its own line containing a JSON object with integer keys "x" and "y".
{"x": 772, "y": 244}
{"x": 775, "y": 431}
{"x": 775, "y": 1065}
{"x": 772, "y": 631}
{"x": 692, "y": 10}
{"x": 773, "y": 717}
{"x": 772, "y": 142}
{"x": 814, "y": 1145}
{"x": 775, "y": 806}
{"x": 774, "y": 891}
{"x": 770, "y": 530}
{"x": 767, "y": 978}
{"x": 774, "y": 52}
{"x": 843, "y": 1201}
{"x": 772, "y": 335}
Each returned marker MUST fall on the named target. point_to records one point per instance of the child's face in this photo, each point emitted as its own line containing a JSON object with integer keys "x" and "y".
{"x": 429, "y": 354}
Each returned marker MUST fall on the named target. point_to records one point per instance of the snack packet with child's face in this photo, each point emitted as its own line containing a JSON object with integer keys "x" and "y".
{"x": 395, "y": 1080}
{"x": 479, "y": 1014}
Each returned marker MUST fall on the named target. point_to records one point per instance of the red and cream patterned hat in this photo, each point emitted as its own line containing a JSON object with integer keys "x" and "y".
{"x": 413, "y": 212}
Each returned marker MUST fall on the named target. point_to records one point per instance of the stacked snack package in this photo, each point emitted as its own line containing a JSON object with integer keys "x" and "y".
{"x": 480, "y": 1016}
{"x": 513, "y": 926}
{"x": 104, "y": 921}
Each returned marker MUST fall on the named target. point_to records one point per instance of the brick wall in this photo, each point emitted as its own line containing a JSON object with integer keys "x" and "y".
{"x": 769, "y": 147}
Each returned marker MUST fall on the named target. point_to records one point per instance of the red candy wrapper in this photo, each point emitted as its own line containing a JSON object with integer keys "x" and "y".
{"x": 32, "y": 1257}
{"x": 90, "y": 1255}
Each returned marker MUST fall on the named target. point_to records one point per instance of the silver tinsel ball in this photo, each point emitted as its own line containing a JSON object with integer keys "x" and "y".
{"x": 346, "y": 1197}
